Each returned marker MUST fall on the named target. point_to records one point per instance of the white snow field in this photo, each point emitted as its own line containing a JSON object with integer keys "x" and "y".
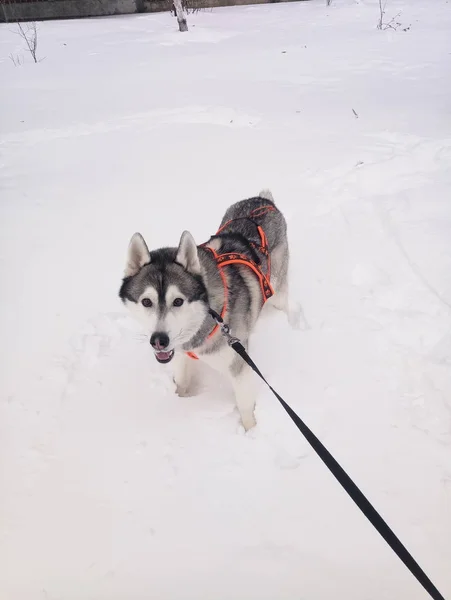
{"x": 111, "y": 486}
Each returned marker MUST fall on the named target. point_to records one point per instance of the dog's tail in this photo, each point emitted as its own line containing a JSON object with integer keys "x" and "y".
{"x": 266, "y": 195}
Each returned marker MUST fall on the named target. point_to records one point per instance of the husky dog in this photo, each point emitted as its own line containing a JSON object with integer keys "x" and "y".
{"x": 172, "y": 291}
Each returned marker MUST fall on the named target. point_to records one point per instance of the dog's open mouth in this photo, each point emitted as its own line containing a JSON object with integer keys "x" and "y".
{"x": 164, "y": 357}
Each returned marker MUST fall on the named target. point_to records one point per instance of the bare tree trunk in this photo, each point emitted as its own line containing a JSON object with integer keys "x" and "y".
{"x": 30, "y": 35}
{"x": 183, "y": 25}
{"x": 380, "y": 23}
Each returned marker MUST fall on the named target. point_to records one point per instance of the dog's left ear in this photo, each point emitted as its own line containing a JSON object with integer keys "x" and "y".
{"x": 187, "y": 254}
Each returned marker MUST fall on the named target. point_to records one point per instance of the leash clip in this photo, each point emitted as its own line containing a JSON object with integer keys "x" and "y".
{"x": 225, "y": 332}
{"x": 225, "y": 328}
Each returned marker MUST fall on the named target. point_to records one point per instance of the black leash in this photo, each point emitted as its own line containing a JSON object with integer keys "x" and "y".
{"x": 338, "y": 472}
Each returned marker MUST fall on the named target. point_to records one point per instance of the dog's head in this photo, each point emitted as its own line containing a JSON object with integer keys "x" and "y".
{"x": 164, "y": 290}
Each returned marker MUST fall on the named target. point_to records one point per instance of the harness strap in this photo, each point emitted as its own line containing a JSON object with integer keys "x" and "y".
{"x": 257, "y": 212}
{"x": 226, "y": 292}
{"x": 264, "y": 250}
{"x": 240, "y": 259}
{"x": 235, "y": 258}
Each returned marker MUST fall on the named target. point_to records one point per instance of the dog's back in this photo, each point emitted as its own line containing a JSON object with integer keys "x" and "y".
{"x": 239, "y": 233}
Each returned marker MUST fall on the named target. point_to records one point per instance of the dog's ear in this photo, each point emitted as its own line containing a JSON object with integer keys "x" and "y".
{"x": 138, "y": 255}
{"x": 187, "y": 254}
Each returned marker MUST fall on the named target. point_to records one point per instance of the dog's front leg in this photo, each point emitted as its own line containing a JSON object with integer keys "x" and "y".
{"x": 183, "y": 374}
{"x": 245, "y": 387}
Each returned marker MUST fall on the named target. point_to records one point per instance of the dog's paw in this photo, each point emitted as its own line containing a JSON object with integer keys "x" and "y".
{"x": 248, "y": 421}
{"x": 184, "y": 391}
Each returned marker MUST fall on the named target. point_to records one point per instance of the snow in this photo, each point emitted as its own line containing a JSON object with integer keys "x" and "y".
{"x": 114, "y": 488}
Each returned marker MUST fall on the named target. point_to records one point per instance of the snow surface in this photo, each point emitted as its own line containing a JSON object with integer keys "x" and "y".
{"x": 114, "y": 488}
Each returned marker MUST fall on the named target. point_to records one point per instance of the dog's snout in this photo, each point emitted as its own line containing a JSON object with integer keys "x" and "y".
{"x": 159, "y": 340}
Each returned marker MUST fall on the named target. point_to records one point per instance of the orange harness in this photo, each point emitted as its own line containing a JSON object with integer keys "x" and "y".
{"x": 235, "y": 258}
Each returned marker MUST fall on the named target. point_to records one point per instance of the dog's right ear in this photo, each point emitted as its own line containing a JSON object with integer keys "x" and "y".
{"x": 138, "y": 255}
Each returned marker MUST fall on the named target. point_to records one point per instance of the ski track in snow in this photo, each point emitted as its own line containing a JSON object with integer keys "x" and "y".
{"x": 112, "y": 486}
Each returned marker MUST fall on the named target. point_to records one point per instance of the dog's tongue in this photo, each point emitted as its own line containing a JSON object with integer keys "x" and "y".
{"x": 163, "y": 355}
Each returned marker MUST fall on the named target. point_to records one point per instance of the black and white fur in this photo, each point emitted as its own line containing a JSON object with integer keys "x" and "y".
{"x": 183, "y": 283}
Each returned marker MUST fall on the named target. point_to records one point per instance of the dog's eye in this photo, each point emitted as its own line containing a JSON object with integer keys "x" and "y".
{"x": 178, "y": 302}
{"x": 147, "y": 302}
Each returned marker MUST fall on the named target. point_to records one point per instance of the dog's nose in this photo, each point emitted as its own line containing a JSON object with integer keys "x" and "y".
{"x": 159, "y": 340}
